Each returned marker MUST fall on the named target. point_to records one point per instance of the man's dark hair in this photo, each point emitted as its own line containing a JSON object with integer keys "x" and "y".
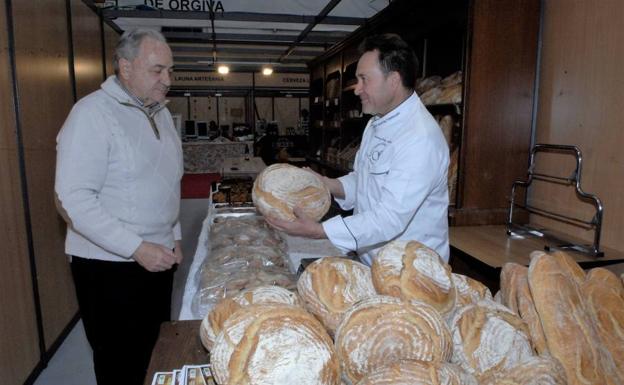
{"x": 394, "y": 55}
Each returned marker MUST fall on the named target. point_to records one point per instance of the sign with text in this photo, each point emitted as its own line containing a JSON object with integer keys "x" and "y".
{"x": 212, "y": 79}
{"x": 186, "y": 5}
{"x": 283, "y": 80}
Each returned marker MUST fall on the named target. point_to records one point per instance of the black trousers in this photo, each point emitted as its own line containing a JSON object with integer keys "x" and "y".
{"x": 122, "y": 306}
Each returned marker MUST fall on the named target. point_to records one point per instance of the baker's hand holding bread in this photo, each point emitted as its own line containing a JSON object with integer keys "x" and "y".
{"x": 334, "y": 185}
{"x": 301, "y": 226}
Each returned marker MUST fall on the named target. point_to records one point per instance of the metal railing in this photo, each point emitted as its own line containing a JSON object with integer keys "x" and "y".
{"x": 594, "y": 224}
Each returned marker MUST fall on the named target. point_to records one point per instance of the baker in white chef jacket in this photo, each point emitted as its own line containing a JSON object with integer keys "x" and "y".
{"x": 398, "y": 186}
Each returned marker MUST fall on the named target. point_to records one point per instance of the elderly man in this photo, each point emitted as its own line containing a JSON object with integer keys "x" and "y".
{"x": 398, "y": 188}
{"x": 118, "y": 171}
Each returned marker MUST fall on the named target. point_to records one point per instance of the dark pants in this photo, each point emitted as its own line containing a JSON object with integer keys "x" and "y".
{"x": 122, "y": 306}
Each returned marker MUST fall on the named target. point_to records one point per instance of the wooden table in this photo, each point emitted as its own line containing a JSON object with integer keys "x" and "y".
{"x": 178, "y": 345}
{"x": 481, "y": 251}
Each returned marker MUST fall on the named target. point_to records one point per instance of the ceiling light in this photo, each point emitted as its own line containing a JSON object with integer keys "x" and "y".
{"x": 223, "y": 69}
{"x": 266, "y": 71}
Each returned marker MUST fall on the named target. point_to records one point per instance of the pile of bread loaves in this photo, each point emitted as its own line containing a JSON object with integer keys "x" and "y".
{"x": 572, "y": 316}
{"x": 242, "y": 252}
{"x": 435, "y": 90}
{"x": 410, "y": 320}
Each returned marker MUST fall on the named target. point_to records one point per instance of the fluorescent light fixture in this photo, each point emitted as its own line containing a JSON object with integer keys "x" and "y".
{"x": 223, "y": 69}
{"x": 266, "y": 71}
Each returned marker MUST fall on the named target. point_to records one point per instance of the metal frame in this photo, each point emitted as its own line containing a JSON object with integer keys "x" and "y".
{"x": 112, "y": 13}
{"x": 575, "y": 180}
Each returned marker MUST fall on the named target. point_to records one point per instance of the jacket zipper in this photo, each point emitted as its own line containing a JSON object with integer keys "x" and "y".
{"x": 149, "y": 118}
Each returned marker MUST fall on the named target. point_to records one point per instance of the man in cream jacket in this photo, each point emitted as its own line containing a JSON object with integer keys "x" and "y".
{"x": 118, "y": 172}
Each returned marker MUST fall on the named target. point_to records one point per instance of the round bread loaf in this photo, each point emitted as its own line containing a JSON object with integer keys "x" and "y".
{"x": 280, "y": 187}
{"x": 532, "y": 371}
{"x": 488, "y": 337}
{"x": 274, "y": 344}
{"x": 469, "y": 290}
{"x": 411, "y": 270}
{"x": 410, "y": 372}
{"x": 330, "y": 285}
{"x": 213, "y": 322}
{"x": 380, "y": 330}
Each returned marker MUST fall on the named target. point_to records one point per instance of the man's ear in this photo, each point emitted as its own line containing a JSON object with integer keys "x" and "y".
{"x": 396, "y": 79}
{"x": 125, "y": 68}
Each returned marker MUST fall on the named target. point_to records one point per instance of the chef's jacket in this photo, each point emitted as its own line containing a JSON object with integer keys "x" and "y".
{"x": 398, "y": 187}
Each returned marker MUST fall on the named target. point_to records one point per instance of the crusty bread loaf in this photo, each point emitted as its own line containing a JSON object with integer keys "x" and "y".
{"x": 488, "y": 337}
{"x": 330, "y": 285}
{"x": 527, "y": 311}
{"x": 533, "y": 371}
{"x": 469, "y": 290}
{"x": 446, "y": 125}
{"x": 498, "y": 298}
{"x": 604, "y": 296}
{"x": 411, "y": 270}
{"x": 380, "y": 330}
{"x": 213, "y": 322}
{"x": 411, "y": 372}
{"x": 452, "y": 79}
{"x": 510, "y": 274}
{"x": 516, "y": 295}
{"x": 450, "y": 94}
{"x": 280, "y": 187}
{"x": 425, "y": 84}
{"x": 452, "y": 175}
{"x": 274, "y": 344}
{"x": 567, "y": 263}
{"x": 431, "y": 95}
{"x": 567, "y": 326}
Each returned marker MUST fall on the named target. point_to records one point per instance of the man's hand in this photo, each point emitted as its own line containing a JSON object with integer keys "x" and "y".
{"x": 177, "y": 251}
{"x": 302, "y": 226}
{"x": 154, "y": 257}
{"x": 334, "y": 185}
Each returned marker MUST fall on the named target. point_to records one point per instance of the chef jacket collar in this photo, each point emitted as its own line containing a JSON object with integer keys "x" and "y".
{"x": 387, "y": 125}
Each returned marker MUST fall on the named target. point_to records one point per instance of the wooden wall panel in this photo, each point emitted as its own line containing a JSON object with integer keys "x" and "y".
{"x": 87, "y": 47}
{"x": 203, "y": 108}
{"x": 178, "y": 105}
{"x": 231, "y": 110}
{"x": 19, "y": 349}
{"x": 287, "y": 114}
{"x": 581, "y": 103}
{"x": 41, "y": 41}
{"x": 264, "y": 109}
{"x": 500, "y": 101}
{"x": 110, "y": 41}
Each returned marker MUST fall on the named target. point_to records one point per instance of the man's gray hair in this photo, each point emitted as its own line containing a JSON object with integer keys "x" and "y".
{"x": 129, "y": 43}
